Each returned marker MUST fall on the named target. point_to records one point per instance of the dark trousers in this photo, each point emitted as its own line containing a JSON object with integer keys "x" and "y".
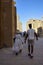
{"x": 30, "y": 46}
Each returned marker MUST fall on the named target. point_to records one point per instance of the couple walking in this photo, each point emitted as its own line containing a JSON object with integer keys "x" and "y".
{"x": 29, "y": 36}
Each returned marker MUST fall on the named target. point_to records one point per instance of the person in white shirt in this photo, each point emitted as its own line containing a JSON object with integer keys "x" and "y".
{"x": 31, "y": 34}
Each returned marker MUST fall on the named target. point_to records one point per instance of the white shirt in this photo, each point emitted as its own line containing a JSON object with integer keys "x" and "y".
{"x": 30, "y": 33}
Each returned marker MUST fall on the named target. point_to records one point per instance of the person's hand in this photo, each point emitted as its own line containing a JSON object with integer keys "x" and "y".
{"x": 36, "y": 38}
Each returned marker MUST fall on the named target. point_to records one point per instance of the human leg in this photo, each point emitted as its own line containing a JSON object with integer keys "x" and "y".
{"x": 32, "y": 49}
{"x": 28, "y": 47}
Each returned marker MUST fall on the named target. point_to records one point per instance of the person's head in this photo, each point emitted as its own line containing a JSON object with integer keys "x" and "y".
{"x": 30, "y": 26}
{"x": 17, "y": 32}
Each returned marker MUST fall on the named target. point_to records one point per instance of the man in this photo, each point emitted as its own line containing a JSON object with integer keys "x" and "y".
{"x": 31, "y": 36}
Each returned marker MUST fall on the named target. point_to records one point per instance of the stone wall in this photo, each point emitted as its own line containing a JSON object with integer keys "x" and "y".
{"x": 6, "y": 21}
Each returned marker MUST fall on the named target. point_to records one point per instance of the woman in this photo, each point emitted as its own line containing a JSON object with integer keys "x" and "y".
{"x": 17, "y": 47}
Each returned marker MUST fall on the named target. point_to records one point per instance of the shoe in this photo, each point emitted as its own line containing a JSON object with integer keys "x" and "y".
{"x": 31, "y": 57}
{"x": 29, "y": 54}
{"x": 20, "y": 51}
{"x": 16, "y": 54}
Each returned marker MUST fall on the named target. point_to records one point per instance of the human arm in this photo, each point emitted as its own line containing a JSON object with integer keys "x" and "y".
{"x": 36, "y": 35}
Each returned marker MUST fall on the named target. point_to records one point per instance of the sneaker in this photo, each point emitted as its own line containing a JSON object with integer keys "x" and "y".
{"x": 16, "y": 54}
{"x": 20, "y": 51}
{"x": 29, "y": 54}
{"x": 31, "y": 57}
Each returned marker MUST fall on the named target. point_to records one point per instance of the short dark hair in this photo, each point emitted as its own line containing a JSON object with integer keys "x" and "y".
{"x": 30, "y": 25}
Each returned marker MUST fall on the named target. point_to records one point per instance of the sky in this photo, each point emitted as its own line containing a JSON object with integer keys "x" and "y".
{"x": 29, "y": 9}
